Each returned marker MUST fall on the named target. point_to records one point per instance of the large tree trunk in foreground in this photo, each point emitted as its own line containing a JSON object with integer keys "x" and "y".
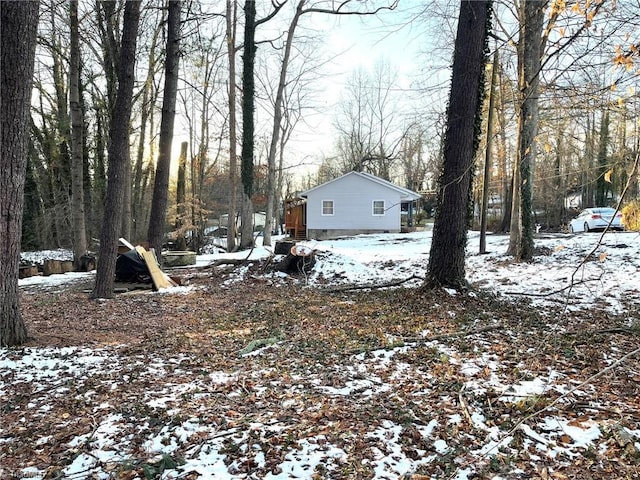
{"x": 446, "y": 260}
{"x": 18, "y": 23}
{"x": 118, "y": 155}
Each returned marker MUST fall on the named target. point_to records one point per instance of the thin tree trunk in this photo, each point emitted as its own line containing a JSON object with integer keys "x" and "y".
{"x": 181, "y": 197}
{"x": 487, "y": 157}
{"x": 60, "y": 162}
{"x": 119, "y": 133}
{"x": 125, "y": 230}
{"x": 18, "y": 24}
{"x": 99, "y": 172}
{"x": 161, "y": 186}
{"x": 515, "y": 225}
{"x": 107, "y": 24}
{"x": 558, "y": 184}
{"x": 603, "y": 161}
{"x": 149, "y": 96}
{"x": 277, "y": 119}
{"x": 138, "y": 193}
{"x": 77, "y": 124}
{"x": 233, "y": 161}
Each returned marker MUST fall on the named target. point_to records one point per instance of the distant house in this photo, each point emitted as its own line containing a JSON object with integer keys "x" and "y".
{"x": 352, "y": 204}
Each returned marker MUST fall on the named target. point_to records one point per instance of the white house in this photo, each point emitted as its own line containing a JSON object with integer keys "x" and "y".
{"x": 355, "y": 203}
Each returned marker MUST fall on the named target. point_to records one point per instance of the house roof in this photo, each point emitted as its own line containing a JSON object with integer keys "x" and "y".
{"x": 405, "y": 193}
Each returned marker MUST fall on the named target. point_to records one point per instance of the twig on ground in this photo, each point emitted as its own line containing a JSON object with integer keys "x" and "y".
{"x": 395, "y": 283}
{"x": 548, "y": 407}
{"x": 226, "y": 261}
{"x": 554, "y": 292}
{"x": 464, "y": 407}
{"x": 604, "y": 331}
{"x": 233, "y": 261}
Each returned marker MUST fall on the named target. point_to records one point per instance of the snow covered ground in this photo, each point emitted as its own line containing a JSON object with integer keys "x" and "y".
{"x": 575, "y": 272}
{"x": 579, "y": 271}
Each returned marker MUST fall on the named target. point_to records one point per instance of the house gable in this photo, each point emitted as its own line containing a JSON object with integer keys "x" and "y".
{"x": 354, "y": 203}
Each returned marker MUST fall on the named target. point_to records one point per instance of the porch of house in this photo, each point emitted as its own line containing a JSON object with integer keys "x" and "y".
{"x": 295, "y": 218}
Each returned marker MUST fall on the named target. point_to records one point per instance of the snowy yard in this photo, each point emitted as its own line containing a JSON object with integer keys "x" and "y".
{"x": 246, "y": 374}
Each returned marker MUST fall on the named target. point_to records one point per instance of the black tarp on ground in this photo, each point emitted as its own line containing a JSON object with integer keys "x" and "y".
{"x": 131, "y": 268}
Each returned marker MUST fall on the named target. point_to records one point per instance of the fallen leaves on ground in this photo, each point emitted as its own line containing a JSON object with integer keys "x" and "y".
{"x": 340, "y": 385}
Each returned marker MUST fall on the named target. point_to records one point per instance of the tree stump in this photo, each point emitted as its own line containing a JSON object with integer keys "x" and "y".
{"x": 300, "y": 259}
{"x": 283, "y": 247}
{"x": 87, "y": 263}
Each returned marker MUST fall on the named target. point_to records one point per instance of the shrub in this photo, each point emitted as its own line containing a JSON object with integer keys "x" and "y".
{"x": 631, "y": 216}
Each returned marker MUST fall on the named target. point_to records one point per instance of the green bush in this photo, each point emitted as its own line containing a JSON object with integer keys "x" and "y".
{"x": 631, "y": 216}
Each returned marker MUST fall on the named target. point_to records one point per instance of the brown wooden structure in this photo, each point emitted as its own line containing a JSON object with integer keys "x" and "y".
{"x": 295, "y": 218}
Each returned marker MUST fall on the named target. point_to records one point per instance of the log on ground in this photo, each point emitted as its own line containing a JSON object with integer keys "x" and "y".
{"x": 51, "y": 267}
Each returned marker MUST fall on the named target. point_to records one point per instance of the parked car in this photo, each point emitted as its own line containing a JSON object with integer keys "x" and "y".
{"x": 596, "y": 219}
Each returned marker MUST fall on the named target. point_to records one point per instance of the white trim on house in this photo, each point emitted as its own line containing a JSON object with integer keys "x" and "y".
{"x": 406, "y": 195}
{"x": 373, "y": 208}
{"x": 333, "y": 206}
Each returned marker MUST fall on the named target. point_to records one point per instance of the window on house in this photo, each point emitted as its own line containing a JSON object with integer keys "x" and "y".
{"x": 378, "y": 207}
{"x": 327, "y": 207}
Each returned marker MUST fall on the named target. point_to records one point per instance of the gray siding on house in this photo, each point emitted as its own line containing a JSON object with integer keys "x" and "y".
{"x": 353, "y": 197}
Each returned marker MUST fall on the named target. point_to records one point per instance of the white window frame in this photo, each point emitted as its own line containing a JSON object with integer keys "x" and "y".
{"x": 322, "y": 208}
{"x": 373, "y": 208}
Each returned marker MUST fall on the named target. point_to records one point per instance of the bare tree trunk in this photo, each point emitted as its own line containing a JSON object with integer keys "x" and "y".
{"x": 119, "y": 133}
{"x": 60, "y": 161}
{"x": 507, "y": 182}
{"x": 161, "y": 185}
{"x": 515, "y": 226}
{"x": 18, "y": 28}
{"x": 77, "y": 124}
{"x": 487, "y": 157}
{"x": 590, "y": 165}
{"x": 181, "y": 197}
{"x": 99, "y": 172}
{"x": 447, "y": 255}
{"x": 136, "y": 212}
{"x": 277, "y": 119}
{"x": 107, "y": 21}
{"x": 139, "y": 208}
{"x": 233, "y": 161}
{"x": 125, "y": 229}
{"x": 602, "y": 161}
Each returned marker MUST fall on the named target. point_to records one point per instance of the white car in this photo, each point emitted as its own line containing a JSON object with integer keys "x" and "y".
{"x": 596, "y": 219}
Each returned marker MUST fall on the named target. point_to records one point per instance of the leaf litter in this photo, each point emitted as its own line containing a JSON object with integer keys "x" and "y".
{"x": 497, "y": 381}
